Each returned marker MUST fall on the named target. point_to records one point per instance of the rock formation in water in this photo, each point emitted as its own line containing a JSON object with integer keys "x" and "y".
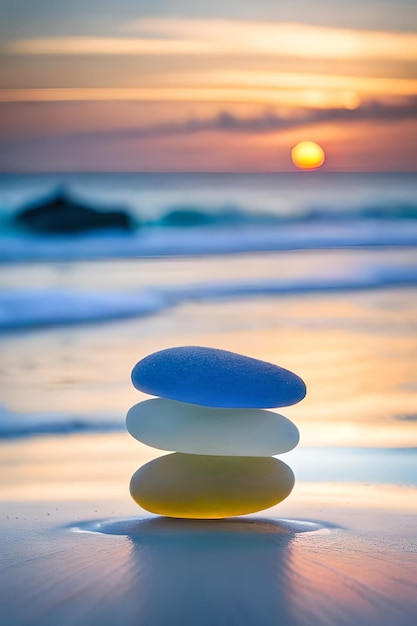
{"x": 61, "y": 215}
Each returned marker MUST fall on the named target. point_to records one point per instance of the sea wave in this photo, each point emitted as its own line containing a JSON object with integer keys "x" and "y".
{"x": 190, "y": 215}
{"x": 24, "y": 308}
{"x": 194, "y": 215}
{"x": 30, "y": 308}
{"x": 213, "y": 239}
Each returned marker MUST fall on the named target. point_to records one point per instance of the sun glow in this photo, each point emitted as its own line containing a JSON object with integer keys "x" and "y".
{"x": 308, "y": 155}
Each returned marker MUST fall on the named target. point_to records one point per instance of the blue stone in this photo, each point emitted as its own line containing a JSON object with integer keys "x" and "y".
{"x": 211, "y": 377}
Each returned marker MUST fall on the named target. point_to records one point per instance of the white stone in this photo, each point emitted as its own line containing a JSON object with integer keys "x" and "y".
{"x": 193, "y": 429}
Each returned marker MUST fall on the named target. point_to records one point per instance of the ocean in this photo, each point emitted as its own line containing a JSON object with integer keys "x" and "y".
{"x": 314, "y": 271}
{"x": 227, "y": 212}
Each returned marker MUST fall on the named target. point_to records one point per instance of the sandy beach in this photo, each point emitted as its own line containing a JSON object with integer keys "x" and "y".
{"x": 80, "y": 551}
{"x": 340, "y": 550}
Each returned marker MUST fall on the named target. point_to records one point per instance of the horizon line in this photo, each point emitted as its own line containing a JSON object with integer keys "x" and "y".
{"x": 310, "y": 172}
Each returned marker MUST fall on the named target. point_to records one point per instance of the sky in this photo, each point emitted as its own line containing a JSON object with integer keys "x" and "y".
{"x": 159, "y": 85}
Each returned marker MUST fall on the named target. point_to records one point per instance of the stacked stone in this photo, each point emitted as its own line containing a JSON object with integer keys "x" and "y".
{"x": 212, "y": 412}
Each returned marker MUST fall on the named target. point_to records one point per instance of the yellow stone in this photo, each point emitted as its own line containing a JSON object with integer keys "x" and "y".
{"x": 210, "y": 487}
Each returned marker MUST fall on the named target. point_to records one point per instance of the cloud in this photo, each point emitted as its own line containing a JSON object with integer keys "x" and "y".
{"x": 268, "y": 88}
{"x": 268, "y": 122}
{"x": 106, "y": 46}
{"x": 167, "y": 36}
{"x": 259, "y": 79}
{"x": 272, "y": 122}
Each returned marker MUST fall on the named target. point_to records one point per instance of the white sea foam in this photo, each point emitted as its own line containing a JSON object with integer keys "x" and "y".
{"x": 26, "y": 308}
{"x": 211, "y": 240}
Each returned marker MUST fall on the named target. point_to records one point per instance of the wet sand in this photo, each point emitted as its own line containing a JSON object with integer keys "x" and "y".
{"x": 339, "y": 551}
{"x": 80, "y": 551}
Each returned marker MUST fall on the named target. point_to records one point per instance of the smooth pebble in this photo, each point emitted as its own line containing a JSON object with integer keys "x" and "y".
{"x": 217, "y": 378}
{"x": 172, "y": 425}
{"x": 210, "y": 487}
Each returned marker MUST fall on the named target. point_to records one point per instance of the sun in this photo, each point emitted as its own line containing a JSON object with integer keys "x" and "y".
{"x": 308, "y": 155}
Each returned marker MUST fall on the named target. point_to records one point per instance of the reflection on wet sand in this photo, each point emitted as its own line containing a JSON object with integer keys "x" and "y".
{"x": 245, "y": 571}
{"x": 257, "y": 571}
{"x": 232, "y": 571}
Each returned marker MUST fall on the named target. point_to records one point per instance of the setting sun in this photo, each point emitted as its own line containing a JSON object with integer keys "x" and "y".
{"x": 308, "y": 155}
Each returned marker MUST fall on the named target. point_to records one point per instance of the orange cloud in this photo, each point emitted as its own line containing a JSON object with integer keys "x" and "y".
{"x": 219, "y": 37}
